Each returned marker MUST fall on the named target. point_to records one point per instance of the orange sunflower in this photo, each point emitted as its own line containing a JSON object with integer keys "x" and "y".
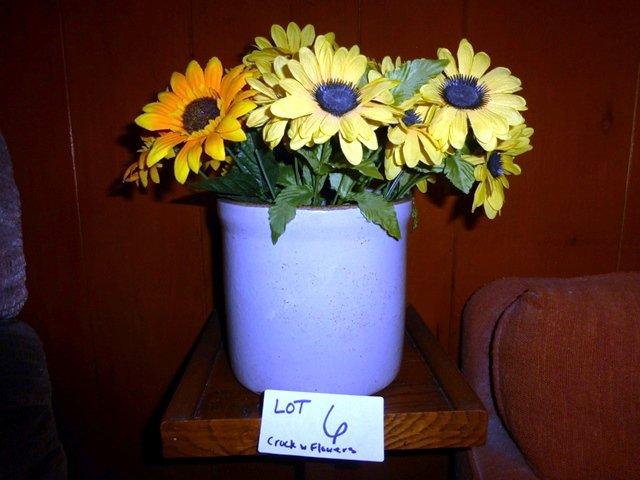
{"x": 202, "y": 109}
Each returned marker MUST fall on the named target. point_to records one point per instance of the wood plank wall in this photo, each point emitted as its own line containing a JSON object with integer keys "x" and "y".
{"x": 120, "y": 285}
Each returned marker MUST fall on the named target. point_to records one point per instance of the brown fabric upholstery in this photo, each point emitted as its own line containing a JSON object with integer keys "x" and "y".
{"x": 560, "y": 359}
{"x": 566, "y": 376}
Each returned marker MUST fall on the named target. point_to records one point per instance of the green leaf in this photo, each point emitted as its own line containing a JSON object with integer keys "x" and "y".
{"x": 369, "y": 168}
{"x": 236, "y": 184}
{"x": 284, "y": 208}
{"x": 254, "y": 158}
{"x": 346, "y": 183}
{"x": 317, "y": 157}
{"x": 287, "y": 176}
{"x": 459, "y": 172}
{"x": 413, "y": 75}
{"x": 379, "y": 211}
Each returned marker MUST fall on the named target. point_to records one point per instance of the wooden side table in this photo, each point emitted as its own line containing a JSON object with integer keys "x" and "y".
{"x": 429, "y": 405}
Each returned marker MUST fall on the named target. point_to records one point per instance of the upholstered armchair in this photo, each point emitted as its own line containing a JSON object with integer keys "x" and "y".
{"x": 557, "y": 364}
{"x": 29, "y": 445}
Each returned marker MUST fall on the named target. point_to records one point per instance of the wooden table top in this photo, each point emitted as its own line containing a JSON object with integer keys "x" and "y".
{"x": 428, "y": 405}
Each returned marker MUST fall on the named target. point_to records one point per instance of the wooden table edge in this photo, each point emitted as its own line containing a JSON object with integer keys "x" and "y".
{"x": 246, "y": 431}
{"x": 178, "y": 417}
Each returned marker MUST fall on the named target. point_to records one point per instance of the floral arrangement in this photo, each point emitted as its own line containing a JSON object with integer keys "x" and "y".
{"x": 306, "y": 122}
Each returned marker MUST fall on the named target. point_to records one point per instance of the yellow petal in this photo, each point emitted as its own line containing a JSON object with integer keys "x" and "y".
{"x": 338, "y": 64}
{"x": 352, "y": 151}
{"x": 391, "y": 170}
{"x": 180, "y": 166}
{"x": 431, "y": 91}
{"x": 500, "y": 80}
{"x": 307, "y": 35}
{"x": 234, "y": 135}
{"x": 193, "y": 157}
{"x": 411, "y": 150}
{"x": 378, "y": 113}
{"x": 262, "y": 43}
{"x": 354, "y": 70}
{"x": 330, "y": 125}
{"x": 479, "y": 196}
{"x": 348, "y": 128}
{"x": 144, "y": 175}
{"x": 214, "y": 146}
{"x": 170, "y": 99}
{"x": 496, "y": 197}
{"x": 258, "y": 117}
{"x": 511, "y": 115}
{"x": 509, "y": 100}
{"x": 481, "y": 62}
{"x": 180, "y": 86}
{"x": 481, "y": 126}
{"x": 293, "y": 35}
{"x": 441, "y": 123}
{"x": 300, "y": 74}
{"x": 241, "y": 108}
{"x": 155, "y": 177}
{"x": 295, "y": 88}
{"x": 213, "y": 74}
{"x": 228, "y": 90}
{"x": 274, "y": 131}
{"x": 195, "y": 76}
{"x": 396, "y": 135}
{"x": 311, "y": 124}
{"x": 450, "y": 69}
{"x": 293, "y": 107}
{"x": 279, "y": 37}
{"x": 157, "y": 121}
{"x": 162, "y": 146}
{"x": 465, "y": 57}
{"x": 324, "y": 53}
{"x": 458, "y": 129}
{"x": 373, "y": 89}
{"x": 310, "y": 65}
{"x": 228, "y": 124}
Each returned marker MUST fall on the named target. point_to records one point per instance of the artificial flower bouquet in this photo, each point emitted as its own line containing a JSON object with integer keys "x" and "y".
{"x": 306, "y": 122}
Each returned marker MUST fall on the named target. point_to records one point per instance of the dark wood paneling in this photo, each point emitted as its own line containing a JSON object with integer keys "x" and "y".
{"x": 120, "y": 285}
{"x": 578, "y": 64}
{"x": 400, "y": 28}
{"x": 630, "y": 242}
{"x": 145, "y": 258}
{"x": 34, "y": 121}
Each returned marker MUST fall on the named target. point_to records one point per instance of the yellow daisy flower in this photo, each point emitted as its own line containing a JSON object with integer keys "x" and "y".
{"x": 465, "y": 93}
{"x": 378, "y": 70}
{"x": 202, "y": 108}
{"x": 323, "y": 93}
{"x": 268, "y": 91}
{"x": 491, "y": 170}
{"x": 138, "y": 172}
{"x": 285, "y": 43}
{"x": 410, "y": 142}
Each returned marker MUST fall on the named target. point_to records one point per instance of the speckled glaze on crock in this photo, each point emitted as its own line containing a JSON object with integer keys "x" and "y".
{"x": 323, "y": 309}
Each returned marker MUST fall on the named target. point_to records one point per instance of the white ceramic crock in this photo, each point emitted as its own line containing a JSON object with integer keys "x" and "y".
{"x": 323, "y": 309}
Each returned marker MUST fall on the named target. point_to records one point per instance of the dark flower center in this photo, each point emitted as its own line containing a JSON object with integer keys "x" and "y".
{"x": 410, "y": 118}
{"x": 336, "y": 97}
{"x": 463, "y": 91}
{"x": 199, "y": 113}
{"x": 494, "y": 164}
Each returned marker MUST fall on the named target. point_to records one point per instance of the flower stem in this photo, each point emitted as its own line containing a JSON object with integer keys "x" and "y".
{"x": 296, "y": 168}
{"x": 264, "y": 175}
{"x": 388, "y": 195}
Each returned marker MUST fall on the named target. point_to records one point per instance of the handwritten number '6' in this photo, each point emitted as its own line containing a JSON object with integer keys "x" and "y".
{"x": 342, "y": 428}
